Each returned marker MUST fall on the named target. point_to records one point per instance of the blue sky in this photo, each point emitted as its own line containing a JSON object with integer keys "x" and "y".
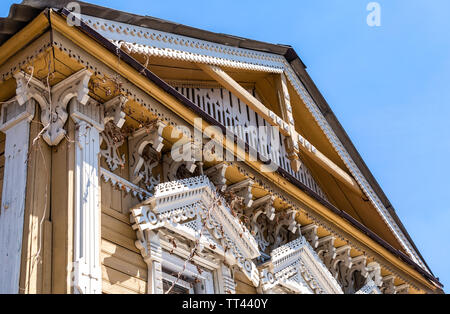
{"x": 389, "y": 86}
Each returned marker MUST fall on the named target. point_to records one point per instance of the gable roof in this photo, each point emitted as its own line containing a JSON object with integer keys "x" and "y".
{"x": 21, "y": 14}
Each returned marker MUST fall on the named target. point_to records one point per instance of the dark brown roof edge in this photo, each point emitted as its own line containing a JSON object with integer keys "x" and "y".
{"x": 170, "y": 90}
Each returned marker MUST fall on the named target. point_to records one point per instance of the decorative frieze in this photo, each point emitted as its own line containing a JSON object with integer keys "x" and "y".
{"x": 124, "y": 185}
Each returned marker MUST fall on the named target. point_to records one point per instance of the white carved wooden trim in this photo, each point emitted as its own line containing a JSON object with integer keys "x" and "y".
{"x": 15, "y": 123}
{"x": 113, "y": 140}
{"x": 402, "y": 289}
{"x": 227, "y": 285}
{"x": 296, "y": 266}
{"x": 153, "y": 42}
{"x": 184, "y": 206}
{"x": 54, "y": 100}
{"x": 326, "y": 249}
{"x": 369, "y": 288}
{"x": 142, "y": 165}
{"x": 265, "y": 204}
{"x": 114, "y": 111}
{"x": 178, "y": 169}
{"x": 217, "y": 176}
{"x": 243, "y": 189}
{"x": 249, "y": 127}
{"x": 149, "y": 244}
{"x": 310, "y": 234}
{"x": 374, "y": 273}
{"x": 124, "y": 185}
{"x": 388, "y": 286}
{"x": 342, "y": 262}
{"x": 88, "y": 118}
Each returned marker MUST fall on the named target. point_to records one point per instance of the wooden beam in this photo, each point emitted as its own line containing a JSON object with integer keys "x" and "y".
{"x": 230, "y": 84}
{"x": 323, "y": 161}
{"x": 293, "y": 137}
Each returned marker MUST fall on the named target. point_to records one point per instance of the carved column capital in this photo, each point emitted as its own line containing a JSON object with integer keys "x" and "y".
{"x": 53, "y": 100}
{"x": 114, "y": 111}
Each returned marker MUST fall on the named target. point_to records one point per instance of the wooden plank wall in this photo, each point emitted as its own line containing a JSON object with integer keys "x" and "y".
{"x": 123, "y": 268}
{"x": 243, "y": 285}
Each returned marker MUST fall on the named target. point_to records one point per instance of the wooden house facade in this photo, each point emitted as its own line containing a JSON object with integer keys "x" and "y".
{"x": 144, "y": 156}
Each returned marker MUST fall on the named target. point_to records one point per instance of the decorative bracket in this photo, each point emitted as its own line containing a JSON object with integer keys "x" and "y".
{"x": 243, "y": 189}
{"x": 217, "y": 176}
{"x": 374, "y": 273}
{"x": 54, "y": 100}
{"x": 310, "y": 234}
{"x": 183, "y": 206}
{"x": 114, "y": 111}
{"x": 388, "y": 286}
{"x": 141, "y": 164}
{"x": 265, "y": 204}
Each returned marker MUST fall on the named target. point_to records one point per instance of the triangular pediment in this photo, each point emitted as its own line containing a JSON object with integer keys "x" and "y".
{"x": 192, "y": 209}
{"x": 297, "y": 267}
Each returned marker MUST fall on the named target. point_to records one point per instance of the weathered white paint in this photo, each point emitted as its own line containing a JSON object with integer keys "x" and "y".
{"x": 15, "y": 123}
{"x": 297, "y": 267}
{"x": 87, "y": 271}
{"x": 89, "y": 123}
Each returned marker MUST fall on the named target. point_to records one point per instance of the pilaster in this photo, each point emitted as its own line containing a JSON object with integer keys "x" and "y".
{"x": 86, "y": 268}
{"x": 15, "y": 123}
